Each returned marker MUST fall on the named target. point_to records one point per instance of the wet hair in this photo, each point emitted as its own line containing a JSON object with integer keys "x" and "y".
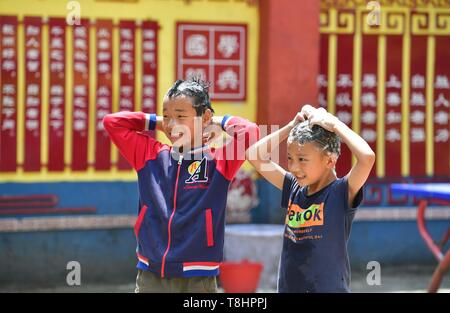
{"x": 196, "y": 89}
{"x": 322, "y": 138}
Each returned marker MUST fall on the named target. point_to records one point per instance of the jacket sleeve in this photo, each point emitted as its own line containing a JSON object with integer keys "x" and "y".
{"x": 243, "y": 134}
{"x": 126, "y": 131}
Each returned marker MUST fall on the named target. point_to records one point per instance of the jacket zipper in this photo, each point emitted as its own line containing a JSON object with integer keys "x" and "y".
{"x": 180, "y": 160}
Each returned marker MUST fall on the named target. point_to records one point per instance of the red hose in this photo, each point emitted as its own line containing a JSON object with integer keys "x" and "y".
{"x": 440, "y": 271}
{"x": 424, "y": 232}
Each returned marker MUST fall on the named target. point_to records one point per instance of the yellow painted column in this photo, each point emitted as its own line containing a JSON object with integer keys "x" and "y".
{"x": 357, "y": 64}
{"x": 332, "y": 64}
{"x": 406, "y": 63}
{"x": 429, "y": 142}
{"x": 381, "y": 73}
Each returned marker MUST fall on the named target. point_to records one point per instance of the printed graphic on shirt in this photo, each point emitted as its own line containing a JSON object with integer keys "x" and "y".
{"x": 198, "y": 172}
{"x": 301, "y": 222}
{"x": 297, "y": 217}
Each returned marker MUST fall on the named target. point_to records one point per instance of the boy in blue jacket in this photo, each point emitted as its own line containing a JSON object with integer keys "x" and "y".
{"x": 182, "y": 187}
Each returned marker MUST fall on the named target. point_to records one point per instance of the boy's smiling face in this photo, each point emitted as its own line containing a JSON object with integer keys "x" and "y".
{"x": 181, "y": 124}
{"x": 308, "y": 163}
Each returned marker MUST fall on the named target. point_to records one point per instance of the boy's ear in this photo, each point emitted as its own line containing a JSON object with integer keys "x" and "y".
{"x": 207, "y": 116}
{"x": 331, "y": 160}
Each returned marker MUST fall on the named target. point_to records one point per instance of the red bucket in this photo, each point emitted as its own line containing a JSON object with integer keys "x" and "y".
{"x": 240, "y": 276}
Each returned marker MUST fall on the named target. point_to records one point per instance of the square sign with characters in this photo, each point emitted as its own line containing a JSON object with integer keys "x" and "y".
{"x": 216, "y": 53}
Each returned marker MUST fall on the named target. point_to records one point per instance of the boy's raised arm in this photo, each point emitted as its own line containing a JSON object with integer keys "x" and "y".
{"x": 124, "y": 129}
{"x": 365, "y": 157}
{"x": 259, "y": 154}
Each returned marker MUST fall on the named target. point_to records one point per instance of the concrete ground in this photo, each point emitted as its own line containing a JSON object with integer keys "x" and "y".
{"x": 393, "y": 279}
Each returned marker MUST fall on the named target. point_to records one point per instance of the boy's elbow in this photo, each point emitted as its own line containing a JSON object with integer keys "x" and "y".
{"x": 108, "y": 121}
{"x": 370, "y": 157}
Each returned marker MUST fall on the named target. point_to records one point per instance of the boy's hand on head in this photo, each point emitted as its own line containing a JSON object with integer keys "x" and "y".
{"x": 320, "y": 117}
{"x": 307, "y": 109}
{"x": 299, "y": 117}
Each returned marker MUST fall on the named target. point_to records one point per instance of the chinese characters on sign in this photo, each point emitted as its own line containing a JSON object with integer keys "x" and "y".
{"x": 8, "y": 89}
{"x": 57, "y": 93}
{"x": 103, "y": 93}
{"x": 149, "y": 66}
{"x": 368, "y": 98}
{"x": 80, "y": 114}
{"x": 441, "y": 107}
{"x": 33, "y": 69}
{"x": 393, "y": 105}
{"x": 344, "y": 97}
{"x": 417, "y": 105}
{"x": 73, "y": 127}
{"x": 126, "y": 73}
{"x": 216, "y": 53}
{"x": 415, "y": 124}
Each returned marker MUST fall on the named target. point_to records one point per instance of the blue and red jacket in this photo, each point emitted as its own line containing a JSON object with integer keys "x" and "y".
{"x": 182, "y": 197}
